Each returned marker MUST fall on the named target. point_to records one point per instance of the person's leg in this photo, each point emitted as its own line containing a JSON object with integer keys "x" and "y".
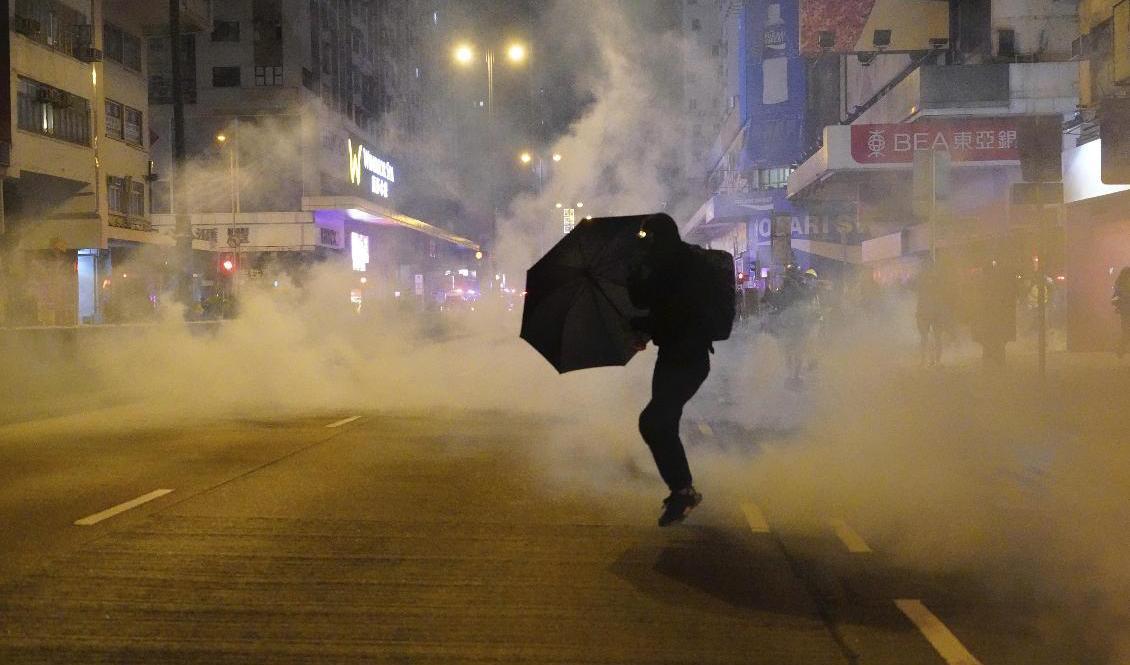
{"x": 675, "y": 381}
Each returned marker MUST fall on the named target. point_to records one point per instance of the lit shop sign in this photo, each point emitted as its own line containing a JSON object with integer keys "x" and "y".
{"x": 990, "y": 140}
{"x": 361, "y": 161}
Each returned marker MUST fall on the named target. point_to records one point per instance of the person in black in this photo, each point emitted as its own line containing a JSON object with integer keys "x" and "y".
{"x": 1121, "y": 302}
{"x": 662, "y": 285}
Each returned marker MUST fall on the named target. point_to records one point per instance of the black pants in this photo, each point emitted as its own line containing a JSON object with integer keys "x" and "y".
{"x": 677, "y": 378}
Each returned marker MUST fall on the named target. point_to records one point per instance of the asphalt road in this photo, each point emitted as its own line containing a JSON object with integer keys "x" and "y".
{"x": 436, "y": 538}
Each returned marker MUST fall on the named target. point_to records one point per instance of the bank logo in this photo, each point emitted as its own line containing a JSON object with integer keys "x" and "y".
{"x": 876, "y": 142}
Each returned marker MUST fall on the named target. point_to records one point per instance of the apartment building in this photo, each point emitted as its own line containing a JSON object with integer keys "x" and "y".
{"x": 74, "y": 142}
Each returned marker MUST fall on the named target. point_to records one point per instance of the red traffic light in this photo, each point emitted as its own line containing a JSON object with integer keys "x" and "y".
{"x": 228, "y": 265}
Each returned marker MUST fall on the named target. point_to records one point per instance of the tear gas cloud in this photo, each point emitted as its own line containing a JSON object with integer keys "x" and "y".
{"x": 950, "y": 471}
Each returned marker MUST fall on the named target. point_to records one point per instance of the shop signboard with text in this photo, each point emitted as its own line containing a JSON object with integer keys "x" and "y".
{"x": 966, "y": 141}
{"x": 369, "y": 172}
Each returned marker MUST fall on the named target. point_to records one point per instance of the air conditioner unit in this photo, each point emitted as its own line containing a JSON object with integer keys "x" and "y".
{"x": 88, "y": 54}
{"x": 27, "y": 26}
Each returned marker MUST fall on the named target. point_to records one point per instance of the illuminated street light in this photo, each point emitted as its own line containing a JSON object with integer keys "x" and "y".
{"x": 464, "y": 54}
{"x": 478, "y": 256}
{"x": 557, "y": 157}
{"x": 557, "y": 205}
{"x": 588, "y": 216}
{"x": 580, "y": 204}
{"x": 516, "y": 52}
{"x": 221, "y": 138}
{"x": 364, "y": 280}
{"x": 525, "y": 157}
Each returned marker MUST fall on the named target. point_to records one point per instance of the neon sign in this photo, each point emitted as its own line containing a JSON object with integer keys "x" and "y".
{"x": 381, "y": 173}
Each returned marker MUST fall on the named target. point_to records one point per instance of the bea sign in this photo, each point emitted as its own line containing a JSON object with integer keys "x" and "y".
{"x": 362, "y": 161}
{"x": 988, "y": 140}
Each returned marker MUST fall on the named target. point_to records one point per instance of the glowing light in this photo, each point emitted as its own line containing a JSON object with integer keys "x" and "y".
{"x": 478, "y": 257}
{"x": 525, "y": 157}
{"x": 580, "y": 204}
{"x": 642, "y": 234}
{"x": 364, "y": 280}
{"x": 396, "y": 294}
{"x": 464, "y": 54}
{"x": 221, "y": 138}
{"x": 276, "y": 283}
{"x": 359, "y": 251}
{"x": 557, "y": 205}
{"x": 516, "y": 53}
{"x": 124, "y": 275}
{"x": 588, "y": 216}
{"x": 557, "y": 157}
{"x": 228, "y": 265}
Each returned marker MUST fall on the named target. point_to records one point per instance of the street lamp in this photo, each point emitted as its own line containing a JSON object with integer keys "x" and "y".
{"x": 233, "y": 166}
{"x": 525, "y": 157}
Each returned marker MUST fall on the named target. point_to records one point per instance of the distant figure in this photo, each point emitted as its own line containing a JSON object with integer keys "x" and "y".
{"x": 994, "y": 317}
{"x": 676, "y": 322}
{"x": 1121, "y": 302}
{"x": 933, "y": 314}
{"x": 795, "y": 312}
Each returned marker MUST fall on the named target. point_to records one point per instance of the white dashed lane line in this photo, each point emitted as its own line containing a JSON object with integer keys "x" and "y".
{"x": 755, "y": 518}
{"x": 940, "y": 637}
{"x": 848, "y": 536}
{"x": 121, "y": 508}
{"x": 343, "y": 421}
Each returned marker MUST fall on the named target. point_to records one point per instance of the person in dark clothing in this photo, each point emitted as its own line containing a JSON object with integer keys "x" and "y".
{"x": 994, "y": 321}
{"x": 662, "y": 285}
{"x": 1121, "y": 302}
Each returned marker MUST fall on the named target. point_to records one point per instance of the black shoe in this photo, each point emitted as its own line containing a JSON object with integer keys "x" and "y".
{"x": 677, "y": 506}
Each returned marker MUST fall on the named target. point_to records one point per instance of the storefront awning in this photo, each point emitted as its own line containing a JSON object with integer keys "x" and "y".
{"x": 363, "y": 210}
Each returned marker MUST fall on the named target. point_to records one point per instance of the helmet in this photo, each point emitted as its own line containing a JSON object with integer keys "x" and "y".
{"x": 811, "y": 272}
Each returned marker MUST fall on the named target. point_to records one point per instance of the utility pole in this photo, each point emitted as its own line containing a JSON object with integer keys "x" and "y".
{"x": 183, "y": 224}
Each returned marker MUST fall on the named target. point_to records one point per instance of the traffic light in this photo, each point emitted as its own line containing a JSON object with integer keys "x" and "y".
{"x": 1039, "y": 139}
{"x": 1114, "y": 123}
{"x": 227, "y": 265}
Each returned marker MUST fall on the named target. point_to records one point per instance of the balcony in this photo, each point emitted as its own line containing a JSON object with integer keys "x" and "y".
{"x": 988, "y": 89}
{"x": 195, "y": 15}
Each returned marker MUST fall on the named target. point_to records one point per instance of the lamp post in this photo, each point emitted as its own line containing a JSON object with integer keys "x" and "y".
{"x": 464, "y": 55}
{"x": 527, "y": 158}
{"x": 233, "y": 170}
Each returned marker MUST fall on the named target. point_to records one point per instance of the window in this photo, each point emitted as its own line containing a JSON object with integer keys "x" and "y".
{"x": 773, "y": 178}
{"x": 116, "y": 194}
{"x": 328, "y": 236}
{"x": 113, "y": 119}
{"x": 696, "y": 24}
{"x": 136, "y": 199}
{"x": 225, "y": 77}
{"x": 225, "y": 31}
{"x": 268, "y": 75}
{"x": 53, "y": 23}
{"x": 132, "y": 133}
{"x": 52, "y": 112}
{"x": 131, "y": 51}
{"x": 121, "y": 47}
{"x": 240, "y": 234}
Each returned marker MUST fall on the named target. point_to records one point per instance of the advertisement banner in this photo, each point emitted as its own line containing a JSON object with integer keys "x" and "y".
{"x": 774, "y": 96}
{"x": 851, "y": 24}
{"x": 977, "y": 140}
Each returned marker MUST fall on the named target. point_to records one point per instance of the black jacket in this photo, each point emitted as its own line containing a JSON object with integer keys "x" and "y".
{"x": 663, "y": 284}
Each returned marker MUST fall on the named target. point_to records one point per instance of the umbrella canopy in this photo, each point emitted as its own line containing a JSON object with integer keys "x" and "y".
{"x": 577, "y": 312}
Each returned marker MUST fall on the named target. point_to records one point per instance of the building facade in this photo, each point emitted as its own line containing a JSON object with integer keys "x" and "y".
{"x": 75, "y": 140}
{"x": 302, "y": 118}
{"x": 956, "y": 81}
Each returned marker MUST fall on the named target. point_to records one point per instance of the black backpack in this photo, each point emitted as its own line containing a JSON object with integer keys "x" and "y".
{"x": 715, "y": 284}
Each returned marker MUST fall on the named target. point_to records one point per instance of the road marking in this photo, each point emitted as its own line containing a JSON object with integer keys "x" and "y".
{"x": 344, "y": 421}
{"x": 755, "y": 518}
{"x": 940, "y": 637}
{"x": 848, "y": 536}
{"x": 705, "y": 429}
{"x": 121, "y": 508}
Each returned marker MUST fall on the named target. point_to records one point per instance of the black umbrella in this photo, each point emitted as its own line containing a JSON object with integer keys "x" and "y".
{"x": 577, "y": 312}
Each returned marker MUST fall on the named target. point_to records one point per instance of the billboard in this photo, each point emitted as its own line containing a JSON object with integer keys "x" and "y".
{"x": 775, "y": 97}
{"x": 852, "y": 24}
